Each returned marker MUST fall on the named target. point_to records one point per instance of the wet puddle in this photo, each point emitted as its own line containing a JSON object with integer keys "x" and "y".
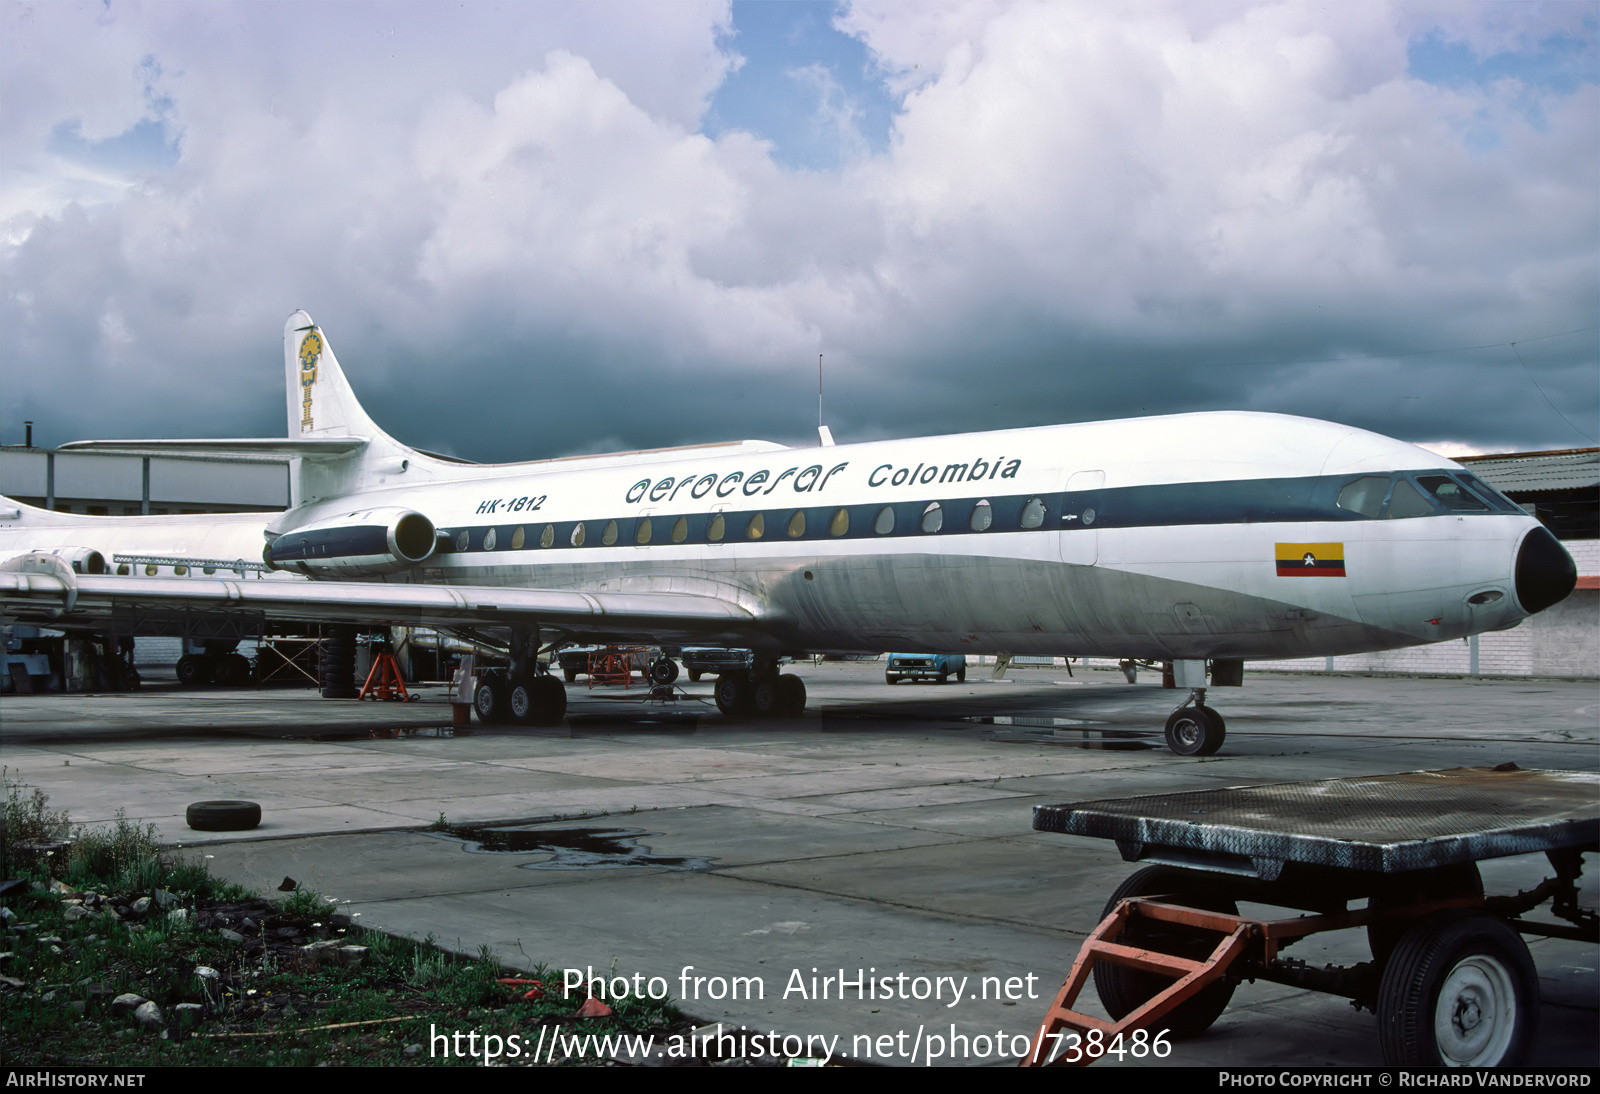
{"x": 572, "y": 848}
{"x": 1045, "y": 729}
{"x": 386, "y": 733}
{"x": 674, "y": 718}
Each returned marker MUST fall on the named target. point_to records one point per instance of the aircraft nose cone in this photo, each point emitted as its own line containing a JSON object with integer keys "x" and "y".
{"x": 1545, "y": 572}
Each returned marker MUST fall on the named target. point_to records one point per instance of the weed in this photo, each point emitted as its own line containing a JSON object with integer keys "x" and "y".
{"x": 124, "y": 856}
{"x": 307, "y": 902}
{"x": 29, "y": 829}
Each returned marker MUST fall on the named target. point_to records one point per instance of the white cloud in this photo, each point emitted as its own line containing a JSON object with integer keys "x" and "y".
{"x": 1080, "y": 202}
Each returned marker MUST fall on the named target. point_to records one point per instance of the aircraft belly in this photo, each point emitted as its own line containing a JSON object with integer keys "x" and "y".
{"x": 877, "y": 599}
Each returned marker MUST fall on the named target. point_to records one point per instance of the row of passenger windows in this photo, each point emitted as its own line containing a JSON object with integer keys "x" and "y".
{"x": 981, "y": 517}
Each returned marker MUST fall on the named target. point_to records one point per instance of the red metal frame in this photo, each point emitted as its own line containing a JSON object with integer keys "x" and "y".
{"x": 385, "y": 681}
{"x": 1241, "y": 936}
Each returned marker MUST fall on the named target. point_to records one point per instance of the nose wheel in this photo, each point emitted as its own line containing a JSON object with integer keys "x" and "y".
{"x": 1194, "y": 729}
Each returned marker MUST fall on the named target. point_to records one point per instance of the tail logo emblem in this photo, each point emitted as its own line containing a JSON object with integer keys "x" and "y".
{"x": 310, "y": 350}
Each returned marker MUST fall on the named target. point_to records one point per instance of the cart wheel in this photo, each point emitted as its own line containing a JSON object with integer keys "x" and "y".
{"x": 1459, "y": 991}
{"x": 664, "y": 671}
{"x": 1195, "y": 731}
{"x": 1122, "y": 990}
{"x": 1418, "y": 887}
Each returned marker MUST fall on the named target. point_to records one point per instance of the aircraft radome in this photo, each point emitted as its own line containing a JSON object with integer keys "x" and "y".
{"x": 1191, "y": 538}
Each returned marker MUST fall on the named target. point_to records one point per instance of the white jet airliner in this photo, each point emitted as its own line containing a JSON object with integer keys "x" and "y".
{"x": 1201, "y": 539}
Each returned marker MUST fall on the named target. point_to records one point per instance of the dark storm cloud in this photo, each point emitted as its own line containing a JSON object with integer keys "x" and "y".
{"x": 520, "y": 244}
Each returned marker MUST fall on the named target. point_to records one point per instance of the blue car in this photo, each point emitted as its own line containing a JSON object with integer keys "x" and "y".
{"x": 926, "y": 666}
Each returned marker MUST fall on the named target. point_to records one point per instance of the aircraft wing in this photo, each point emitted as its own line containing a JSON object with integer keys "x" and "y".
{"x": 57, "y": 597}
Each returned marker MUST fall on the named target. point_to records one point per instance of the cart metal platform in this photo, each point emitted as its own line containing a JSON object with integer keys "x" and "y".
{"x": 1451, "y": 981}
{"x": 1385, "y": 824}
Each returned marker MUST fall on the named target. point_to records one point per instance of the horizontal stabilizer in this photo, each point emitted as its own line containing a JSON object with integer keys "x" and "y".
{"x": 307, "y": 448}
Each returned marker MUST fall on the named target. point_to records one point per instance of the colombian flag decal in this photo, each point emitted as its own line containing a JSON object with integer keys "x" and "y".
{"x": 1310, "y": 559}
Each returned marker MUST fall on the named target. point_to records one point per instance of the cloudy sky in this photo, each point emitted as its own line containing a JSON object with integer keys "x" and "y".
{"x": 536, "y": 229}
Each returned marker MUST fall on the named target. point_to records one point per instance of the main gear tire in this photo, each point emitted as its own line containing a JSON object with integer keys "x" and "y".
{"x": 732, "y": 694}
{"x": 491, "y": 702}
{"x": 791, "y": 696}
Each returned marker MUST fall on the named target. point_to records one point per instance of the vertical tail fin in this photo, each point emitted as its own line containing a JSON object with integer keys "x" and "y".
{"x": 321, "y": 403}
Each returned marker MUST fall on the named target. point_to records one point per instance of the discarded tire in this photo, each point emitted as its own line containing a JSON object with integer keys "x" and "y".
{"x": 223, "y": 816}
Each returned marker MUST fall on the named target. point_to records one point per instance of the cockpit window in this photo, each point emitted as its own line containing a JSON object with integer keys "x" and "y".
{"x": 1451, "y": 494}
{"x": 1407, "y": 502}
{"x": 1365, "y": 495}
{"x": 1497, "y": 501}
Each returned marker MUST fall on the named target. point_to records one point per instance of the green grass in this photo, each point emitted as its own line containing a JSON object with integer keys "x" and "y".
{"x": 264, "y": 1007}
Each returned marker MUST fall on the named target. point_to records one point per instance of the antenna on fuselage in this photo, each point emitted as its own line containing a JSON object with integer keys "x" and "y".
{"x": 822, "y": 430}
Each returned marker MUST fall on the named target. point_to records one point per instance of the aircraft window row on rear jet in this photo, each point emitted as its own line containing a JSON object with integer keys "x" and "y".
{"x": 1321, "y": 498}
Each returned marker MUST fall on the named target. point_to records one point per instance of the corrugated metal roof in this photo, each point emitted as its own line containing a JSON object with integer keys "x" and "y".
{"x": 1535, "y": 471}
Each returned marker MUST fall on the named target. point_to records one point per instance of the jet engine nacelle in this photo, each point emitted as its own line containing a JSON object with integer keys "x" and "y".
{"x": 368, "y": 543}
{"x": 82, "y": 560}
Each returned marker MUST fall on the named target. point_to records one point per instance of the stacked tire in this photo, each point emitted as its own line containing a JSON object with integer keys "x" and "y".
{"x": 338, "y": 664}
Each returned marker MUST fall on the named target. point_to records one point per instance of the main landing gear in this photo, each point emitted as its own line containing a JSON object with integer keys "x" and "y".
{"x": 524, "y": 701}
{"x": 520, "y": 695}
{"x": 761, "y": 691}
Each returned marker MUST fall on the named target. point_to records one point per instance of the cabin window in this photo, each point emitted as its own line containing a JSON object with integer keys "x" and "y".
{"x": 207, "y": 570}
{"x": 489, "y": 540}
{"x": 151, "y": 571}
{"x": 1365, "y": 495}
{"x": 982, "y": 516}
{"x": 609, "y": 535}
{"x": 577, "y": 534}
{"x": 547, "y": 538}
{"x": 181, "y": 571}
{"x": 122, "y": 569}
{"x": 840, "y": 524}
{"x": 716, "y": 529}
{"x": 518, "y": 538}
{"x": 680, "y": 530}
{"x": 1406, "y": 502}
{"x": 756, "y": 528}
{"x": 797, "y": 524}
{"x": 641, "y": 534}
{"x": 461, "y": 540}
{"x": 1033, "y": 513}
{"x": 885, "y": 522}
{"x": 932, "y": 518}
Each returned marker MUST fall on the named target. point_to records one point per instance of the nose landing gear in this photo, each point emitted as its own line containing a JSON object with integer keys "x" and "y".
{"x": 1194, "y": 729}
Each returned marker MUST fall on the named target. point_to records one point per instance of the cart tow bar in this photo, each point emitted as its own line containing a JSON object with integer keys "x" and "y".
{"x": 1189, "y": 978}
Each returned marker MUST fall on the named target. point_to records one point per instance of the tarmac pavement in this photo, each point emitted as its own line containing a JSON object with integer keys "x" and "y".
{"x": 888, "y": 832}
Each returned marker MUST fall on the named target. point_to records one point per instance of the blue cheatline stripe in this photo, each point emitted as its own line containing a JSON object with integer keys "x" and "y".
{"x": 1240, "y": 501}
